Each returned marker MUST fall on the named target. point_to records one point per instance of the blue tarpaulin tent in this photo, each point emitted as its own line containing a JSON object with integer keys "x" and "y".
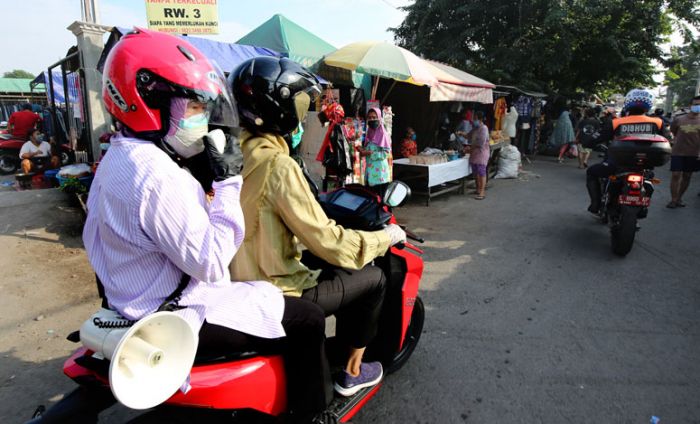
{"x": 73, "y": 86}
{"x": 226, "y": 55}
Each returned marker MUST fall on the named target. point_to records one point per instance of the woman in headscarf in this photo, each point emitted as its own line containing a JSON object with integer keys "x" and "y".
{"x": 377, "y": 152}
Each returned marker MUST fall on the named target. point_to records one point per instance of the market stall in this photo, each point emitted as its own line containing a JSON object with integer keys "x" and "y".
{"x": 528, "y": 106}
{"x": 434, "y": 179}
{"x": 290, "y": 39}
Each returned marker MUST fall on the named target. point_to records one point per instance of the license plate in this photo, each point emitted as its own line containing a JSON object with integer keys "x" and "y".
{"x": 634, "y": 200}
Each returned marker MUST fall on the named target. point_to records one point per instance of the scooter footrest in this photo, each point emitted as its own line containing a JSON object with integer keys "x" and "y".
{"x": 341, "y": 406}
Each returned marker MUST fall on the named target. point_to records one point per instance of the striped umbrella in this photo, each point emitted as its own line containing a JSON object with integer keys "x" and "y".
{"x": 382, "y": 59}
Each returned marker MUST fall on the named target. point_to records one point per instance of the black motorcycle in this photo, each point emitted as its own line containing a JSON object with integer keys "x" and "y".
{"x": 626, "y": 195}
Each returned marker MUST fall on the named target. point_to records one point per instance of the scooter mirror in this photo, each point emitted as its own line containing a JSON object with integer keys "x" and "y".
{"x": 396, "y": 194}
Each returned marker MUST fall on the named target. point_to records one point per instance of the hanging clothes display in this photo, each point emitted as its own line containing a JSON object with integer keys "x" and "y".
{"x": 335, "y": 152}
{"x": 499, "y": 111}
{"x": 524, "y": 106}
{"x": 509, "y": 120}
{"x": 352, "y": 130}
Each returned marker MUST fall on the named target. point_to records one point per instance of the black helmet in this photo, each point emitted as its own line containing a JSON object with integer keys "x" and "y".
{"x": 273, "y": 94}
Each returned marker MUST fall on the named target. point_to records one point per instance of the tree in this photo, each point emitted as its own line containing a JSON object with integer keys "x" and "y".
{"x": 683, "y": 71}
{"x": 565, "y": 46}
{"x": 18, "y": 73}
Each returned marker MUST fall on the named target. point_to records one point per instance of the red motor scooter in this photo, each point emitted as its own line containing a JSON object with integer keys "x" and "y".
{"x": 250, "y": 386}
{"x": 9, "y": 154}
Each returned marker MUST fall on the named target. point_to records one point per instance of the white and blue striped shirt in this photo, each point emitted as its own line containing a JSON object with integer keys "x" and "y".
{"x": 149, "y": 222}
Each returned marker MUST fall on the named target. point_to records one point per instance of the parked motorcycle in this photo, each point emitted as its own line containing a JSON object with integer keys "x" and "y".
{"x": 626, "y": 195}
{"x": 234, "y": 387}
{"x": 9, "y": 154}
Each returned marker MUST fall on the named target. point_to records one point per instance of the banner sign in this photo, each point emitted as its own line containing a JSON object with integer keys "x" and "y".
{"x": 183, "y": 16}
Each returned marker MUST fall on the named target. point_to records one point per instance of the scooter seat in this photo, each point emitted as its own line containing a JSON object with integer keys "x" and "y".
{"x": 228, "y": 357}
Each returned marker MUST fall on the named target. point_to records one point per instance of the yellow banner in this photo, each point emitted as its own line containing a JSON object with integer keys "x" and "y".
{"x": 183, "y": 16}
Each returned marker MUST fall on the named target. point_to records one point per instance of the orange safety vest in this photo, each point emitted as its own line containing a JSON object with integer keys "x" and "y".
{"x": 637, "y": 124}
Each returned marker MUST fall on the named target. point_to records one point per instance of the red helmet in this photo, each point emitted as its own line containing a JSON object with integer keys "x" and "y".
{"x": 145, "y": 69}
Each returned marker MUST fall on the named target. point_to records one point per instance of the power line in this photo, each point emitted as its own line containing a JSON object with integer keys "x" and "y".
{"x": 389, "y": 4}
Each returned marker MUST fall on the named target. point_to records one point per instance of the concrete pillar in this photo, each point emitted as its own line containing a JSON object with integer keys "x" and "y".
{"x": 90, "y": 45}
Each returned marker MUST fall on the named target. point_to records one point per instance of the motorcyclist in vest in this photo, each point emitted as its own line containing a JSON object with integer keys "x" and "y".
{"x": 150, "y": 224}
{"x": 282, "y": 216}
{"x": 637, "y": 103}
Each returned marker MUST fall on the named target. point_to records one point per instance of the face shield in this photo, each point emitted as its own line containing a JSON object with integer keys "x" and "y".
{"x": 210, "y": 89}
{"x": 302, "y": 100}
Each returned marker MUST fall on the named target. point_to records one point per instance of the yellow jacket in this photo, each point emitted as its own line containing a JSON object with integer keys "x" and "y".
{"x": 281, "y": 213}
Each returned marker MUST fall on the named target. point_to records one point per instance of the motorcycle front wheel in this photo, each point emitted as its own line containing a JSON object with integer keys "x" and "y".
{"x": 622, "y": 234}
{"x": 413, "y": 332}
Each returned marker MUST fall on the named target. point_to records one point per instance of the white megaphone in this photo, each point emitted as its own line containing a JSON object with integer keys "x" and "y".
{"x": 150, "y": 360}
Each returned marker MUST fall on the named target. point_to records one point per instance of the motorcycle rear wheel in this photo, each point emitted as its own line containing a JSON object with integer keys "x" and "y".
{"x": 413, "y": 332}
{"x": 8, "y": 164}
{"x": 622, "y": 235}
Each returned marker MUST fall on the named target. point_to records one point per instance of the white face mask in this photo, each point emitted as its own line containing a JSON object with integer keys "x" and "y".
{"x": 187, "y": 140}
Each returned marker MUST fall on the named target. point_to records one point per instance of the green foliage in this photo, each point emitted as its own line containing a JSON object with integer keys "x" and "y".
{"x": 683, "y": 71}
{"x": 18, "y": 73}
{"x": 565, "y": 46}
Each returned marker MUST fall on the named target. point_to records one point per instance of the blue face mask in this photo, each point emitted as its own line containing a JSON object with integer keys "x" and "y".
{"x": 413, "y": 137}
{"x": 695, "y": 108}
{"x": 297, "y": 135}
{"x": 476, "y": 124}
{"x": 195, "y": 121}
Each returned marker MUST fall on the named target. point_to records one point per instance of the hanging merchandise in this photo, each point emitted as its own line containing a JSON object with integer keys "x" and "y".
{"x": 509, "y": 123}
{"x": 388, "y": 117}
{"x": 335, "y": 152}
{"x": 499, "y": 111}
{"x": 524, "y": 106}
{"x": 352, "y": 131}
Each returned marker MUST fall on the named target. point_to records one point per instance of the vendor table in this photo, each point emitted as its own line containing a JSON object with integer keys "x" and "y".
{"x": 432, "y": 180}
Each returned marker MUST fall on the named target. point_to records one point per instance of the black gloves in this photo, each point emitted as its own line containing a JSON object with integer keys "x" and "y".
{"x": 225, "y": 158}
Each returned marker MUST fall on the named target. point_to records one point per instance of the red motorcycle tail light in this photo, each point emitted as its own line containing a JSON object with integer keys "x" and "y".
{"x": 634, "y": 178}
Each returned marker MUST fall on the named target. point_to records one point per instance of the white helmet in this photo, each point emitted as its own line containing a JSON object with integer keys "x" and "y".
{"x": 639, "y": 99}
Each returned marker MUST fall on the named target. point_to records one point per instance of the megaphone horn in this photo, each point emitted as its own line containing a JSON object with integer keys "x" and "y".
{"x": 149, "y": 360}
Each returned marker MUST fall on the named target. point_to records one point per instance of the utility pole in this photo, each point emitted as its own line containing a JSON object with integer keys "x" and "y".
{"x": 89, "y": 10}
{"x": 668, "y": 105}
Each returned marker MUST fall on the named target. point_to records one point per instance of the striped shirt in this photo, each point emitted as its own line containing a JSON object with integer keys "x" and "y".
{"x": 149, "y": 222}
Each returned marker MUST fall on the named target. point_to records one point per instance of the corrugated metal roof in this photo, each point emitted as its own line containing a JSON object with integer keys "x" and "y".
{"x": 15, "y": 85}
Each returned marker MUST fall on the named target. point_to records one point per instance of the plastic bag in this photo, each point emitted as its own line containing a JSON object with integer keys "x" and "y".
{"x": 75, "y": 170}
{"x": 573, "y": 151}
{"x": 508, "y": 162}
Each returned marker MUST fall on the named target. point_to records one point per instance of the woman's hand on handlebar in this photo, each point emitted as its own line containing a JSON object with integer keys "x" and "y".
{"x": 395, "y": 233}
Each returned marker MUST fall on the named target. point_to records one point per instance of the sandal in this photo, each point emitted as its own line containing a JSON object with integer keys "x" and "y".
{"x": 672, "y": 205}
{"x": 680, "y": 204}
{"x": 479, "y": 197}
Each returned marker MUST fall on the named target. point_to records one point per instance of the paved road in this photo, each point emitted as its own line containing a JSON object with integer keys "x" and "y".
{"x": 531, "y": 319}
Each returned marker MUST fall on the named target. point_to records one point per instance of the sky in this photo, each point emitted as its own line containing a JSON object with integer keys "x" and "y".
{"x": 44, "y": 38}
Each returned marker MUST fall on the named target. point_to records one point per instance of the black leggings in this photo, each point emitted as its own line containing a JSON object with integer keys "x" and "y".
{"x": 355, "y": 298}
{"x": 309, "y": 387}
